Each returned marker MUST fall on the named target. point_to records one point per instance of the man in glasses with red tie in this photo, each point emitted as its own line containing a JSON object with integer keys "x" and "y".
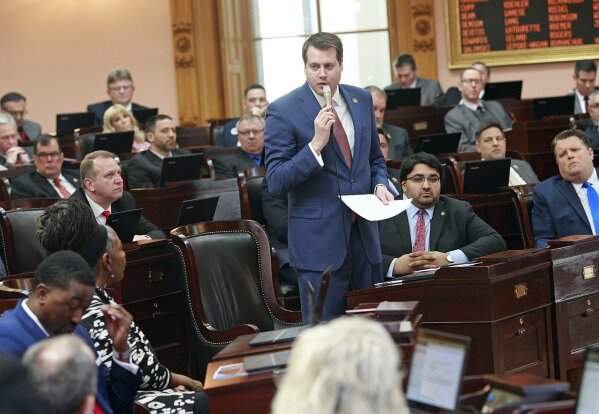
{"x": 434, "y": 230}
{"x": 567, "y": 204}
{"x": 48, "y": 180}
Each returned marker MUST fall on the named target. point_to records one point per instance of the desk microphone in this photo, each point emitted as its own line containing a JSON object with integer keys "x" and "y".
{"x": 326, "y": 92}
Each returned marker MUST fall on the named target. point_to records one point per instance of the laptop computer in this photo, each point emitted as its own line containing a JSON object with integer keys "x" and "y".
{"x": 142, "y": 115}
{"x": 402, "y": 97}
{"x": 289, "y": 334}
{"x": 67, "y": 123}
{"x": 437, "y": 371}
{"x": 197, "y": 211}
{"x": 588, "y": 397}
{"x": 115, "y": 142}
{"x": 181, "y": 168}
{"x": 438, "y": 143}
{"x": 486, "y": 177}
{"x": 124, "y": 223}
{"x": 557, "y": 105}
{"x": 503, "y": 90}
{"x": 266, "y": 362}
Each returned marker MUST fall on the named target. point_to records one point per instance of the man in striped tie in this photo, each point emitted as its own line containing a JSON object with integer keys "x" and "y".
{"x": 434, "y": 230}
{"x": 567, "y": 204}
{"x": 48, "y": 180}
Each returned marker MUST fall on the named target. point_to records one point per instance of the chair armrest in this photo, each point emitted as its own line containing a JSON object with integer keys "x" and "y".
{"x": 225, "y": 336}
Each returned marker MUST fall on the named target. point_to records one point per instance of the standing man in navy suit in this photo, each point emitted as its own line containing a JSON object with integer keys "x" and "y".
{"x": 311, "y": 163}
{"x": 561, "y": 203}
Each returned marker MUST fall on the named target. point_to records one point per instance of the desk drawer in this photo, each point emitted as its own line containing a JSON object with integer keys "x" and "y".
{"x": 147, "y": 280}
{"x": 160, "y": 319}
{"x": 583, "y": 321}
{"x": 523, "y": 343}
{"x": 576, "y": 276}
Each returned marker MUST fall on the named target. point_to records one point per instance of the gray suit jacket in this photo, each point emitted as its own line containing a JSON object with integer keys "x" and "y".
{"x": 144, "y": 169}
{"x": 525, "y": 171}
{"x": 454, "y": 226}
{"x": 32, "y": 129}
{"x": 228, "y": 166}
{"x": 35, "y": 185}
{"x": 430, "y": 90}
{"x": 463, "y": 120}
{"x": 399, "y": 147}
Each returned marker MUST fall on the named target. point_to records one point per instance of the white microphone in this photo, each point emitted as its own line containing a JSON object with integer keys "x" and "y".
{"x": 326, "y": 92}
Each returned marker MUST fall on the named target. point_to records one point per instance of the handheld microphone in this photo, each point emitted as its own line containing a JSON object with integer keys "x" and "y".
{"x": 326, "y": 92}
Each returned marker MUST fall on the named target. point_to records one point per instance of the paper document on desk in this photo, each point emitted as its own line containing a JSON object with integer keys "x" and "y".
{"x": 371, "y": 208}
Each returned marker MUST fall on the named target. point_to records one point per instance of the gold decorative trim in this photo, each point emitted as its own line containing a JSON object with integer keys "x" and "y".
{"x": 422, "y": 10}
{"x": 424, "y": 45}
{"x": 520, "y": 290}
{"x": 588, "y": 272}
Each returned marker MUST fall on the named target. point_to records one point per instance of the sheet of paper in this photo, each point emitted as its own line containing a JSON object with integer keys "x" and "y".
{"x": 230, "y": 371}
{"x": 371, "y": 208}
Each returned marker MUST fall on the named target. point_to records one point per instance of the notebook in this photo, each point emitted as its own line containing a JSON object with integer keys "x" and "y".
{"x": 402, "y": 97}
{"x": 124, "y": 223}
{"x": 115, "y": 142}
{"x": 503, "y": 90}
{"x": 437, "y": 370}
{"x": 289, "y": 334}
{"x": 67, "y": 123}
{"x": 142, "y": 115}
{"x": 557, "y": 105}
{"x": 197, "y": 211}
{"x": 438, "y": 143}
{"x": 588, "y": 397}
{"x": 181, "y": 168}
{"x": 486, "y": 177}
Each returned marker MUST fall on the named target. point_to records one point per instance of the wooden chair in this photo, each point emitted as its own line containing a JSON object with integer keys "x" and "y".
{"x": 21, "y": 251}
{"x": 229, "y": 286}
{"x": 161, "y": 205}
{"x": 13, "y": 289}
{"x": 252, "y": 180}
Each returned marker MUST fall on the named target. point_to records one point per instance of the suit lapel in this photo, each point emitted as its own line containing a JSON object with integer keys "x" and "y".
{"x": 403, "y": 231}
{"x": 437, "y": 223}
{"x": 568, "y": 193}
{"x": 43, "y": 184}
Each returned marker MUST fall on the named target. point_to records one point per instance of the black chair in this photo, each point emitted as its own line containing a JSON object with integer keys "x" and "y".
{"x": 21, "y": 251}
{"x": 228, "y": 284}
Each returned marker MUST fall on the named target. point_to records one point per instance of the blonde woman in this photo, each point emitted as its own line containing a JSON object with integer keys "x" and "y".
{"x": 118, "y": 119}
{"x": 347, "y": 366}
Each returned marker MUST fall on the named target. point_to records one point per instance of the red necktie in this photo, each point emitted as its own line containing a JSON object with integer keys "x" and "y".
{"x": 342, "y": 141}
{"x": 23, "y": 134}
{"x": 98, "y": 409}
{"x": 420, "y": 240}
{"x": 61, "y": 188}
{"x": 106, "y": 214}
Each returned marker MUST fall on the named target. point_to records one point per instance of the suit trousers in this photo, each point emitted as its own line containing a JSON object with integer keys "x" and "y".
{"x": 355, "y": 273}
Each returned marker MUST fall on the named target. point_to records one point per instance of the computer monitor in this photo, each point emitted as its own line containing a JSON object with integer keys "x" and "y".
{"x": 437, "y": 371}
{"x": 588, "y": 395}
{"x": 503, "y": 90}
{"x": 181, "y": 168}
{"x": 197, "y": 211}
{"x": 68, "y": 123}
{"x": 486, "y": 177}
{"x": 142, "y": 115}
{"x": 115, "y": 142}
{"x": 553, "y": 106}
{"x": 438, "y": 143}
{"x": 402, "y": 97}
{"x": 124, "y": 223}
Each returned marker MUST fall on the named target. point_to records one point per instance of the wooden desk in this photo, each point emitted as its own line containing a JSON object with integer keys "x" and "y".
{"x": 251, "y": 394}
{"x": 575, "y": 286}
{"x": 502, "y": 304}
{"x": 151, "y": 292}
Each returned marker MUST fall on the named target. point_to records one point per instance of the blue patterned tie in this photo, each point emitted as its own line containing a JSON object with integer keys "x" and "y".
{"x": 593, "y": 203}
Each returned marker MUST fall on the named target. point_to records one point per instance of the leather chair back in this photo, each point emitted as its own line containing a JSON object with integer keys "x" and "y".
{"x": 254, "y": 189}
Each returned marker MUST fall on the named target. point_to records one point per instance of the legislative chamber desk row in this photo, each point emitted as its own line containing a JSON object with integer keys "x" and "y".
{"x": 527, "y": 312}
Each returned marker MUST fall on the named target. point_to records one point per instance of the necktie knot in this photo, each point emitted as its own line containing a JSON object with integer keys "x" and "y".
{"x": 61, "y": 188}
{"x": 106, "y": 213}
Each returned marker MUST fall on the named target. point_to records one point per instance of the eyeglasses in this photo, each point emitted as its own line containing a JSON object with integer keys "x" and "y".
{"x": 476, "y": 81}
{"x": 52, "y": 155}
{"x": 16, "y": 114}
{"x": 419, "y": 179}
{"x": 249, "y": 132}
{"x": 119, "y": 88}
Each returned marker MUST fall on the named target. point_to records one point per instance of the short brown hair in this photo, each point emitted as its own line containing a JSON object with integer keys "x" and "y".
{"x": 570, "y": 133}
{"x": 323, "y": 41}
{"x": 87, "y": 165}
{"x": 484, "y": 127}
{"x": 117, "y": 75}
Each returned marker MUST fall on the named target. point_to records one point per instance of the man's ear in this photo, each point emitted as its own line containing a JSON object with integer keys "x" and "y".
{"x": 88, "y": 184}
{"x": 150, "y": 137}
{"x": 41, "y": 292}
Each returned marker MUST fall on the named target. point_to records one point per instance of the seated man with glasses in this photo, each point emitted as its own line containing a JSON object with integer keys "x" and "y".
{"x": 472, "y": 112}
{"x": 250, "y": 130}
{"x": 48, "y": 180}
{"x": 144, "y": 169}
{"x": 120, "y": 89}
{"x": 434, "y": 230}
{"x": 13, "y": 103}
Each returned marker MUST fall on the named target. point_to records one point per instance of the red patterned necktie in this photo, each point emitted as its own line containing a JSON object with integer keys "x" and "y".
{"x": 106, "y": 213}
{"x": 61, "y": 188}
{"x": 342, "y": 140}
{"x": 420, "y": 239}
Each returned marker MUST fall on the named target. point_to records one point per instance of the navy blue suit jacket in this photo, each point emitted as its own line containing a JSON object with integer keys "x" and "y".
{"x": 99, "y": 108}
{"x": 557, "y": 211}
{"x": 116, "y": 388}
{"x": 318, "y": 221}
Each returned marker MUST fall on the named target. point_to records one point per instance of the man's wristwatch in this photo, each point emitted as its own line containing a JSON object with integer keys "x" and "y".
{"x": 449, "y": 259}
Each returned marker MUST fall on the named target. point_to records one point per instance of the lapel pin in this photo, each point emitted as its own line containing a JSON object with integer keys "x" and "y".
{"x": 394, "y": 179}
{"x": 354, "y": 100}
{"x": 442, "y": 213}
